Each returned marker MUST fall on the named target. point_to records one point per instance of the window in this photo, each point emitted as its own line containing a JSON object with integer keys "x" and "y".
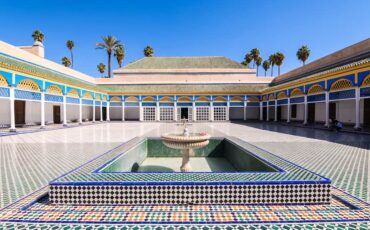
{"x": 149, "y": 113}
{"x": 219, "y": 113}
{"x": 294, "y": 111}
{"x": 202, "y": 113}
{"x": 166, "y": 114}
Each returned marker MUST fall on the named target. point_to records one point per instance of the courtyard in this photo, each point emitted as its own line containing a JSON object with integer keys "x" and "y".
{"x": 30, "y": 161}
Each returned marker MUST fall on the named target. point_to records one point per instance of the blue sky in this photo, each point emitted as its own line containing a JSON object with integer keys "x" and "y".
{"x": 187, "y": 27}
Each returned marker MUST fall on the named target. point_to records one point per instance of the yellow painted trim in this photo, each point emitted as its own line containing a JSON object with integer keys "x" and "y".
{"x": 149, "y": 99}
{"x": 115, "y": 99}
{"x": 132, "y": 99}
{"x": 3, "y": 81}
{"x": 366, "y": 81}
{"x": 29, "y": 85}
{"x": 166, "y": 99}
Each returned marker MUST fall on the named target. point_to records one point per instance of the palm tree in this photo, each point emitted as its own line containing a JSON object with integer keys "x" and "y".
{"x": 119, "y": 53}
{"x": 255, "y": 54}
{"x": 101, "y": 68}
{"x": 70, "y": 45}
{"x": 272, "y": 60}
{"x": 279, "y": 58}
{"x": 258, "y": 63}
{"x": 248, "y": 58}
{"x": 148, "y": 51}
{"x": 303, "y": 53}
{"x": 38, "y": 36}
{"x": 266, "y": 66}
{"x": 66, "y": 62}
{"x": 110, "y": 44}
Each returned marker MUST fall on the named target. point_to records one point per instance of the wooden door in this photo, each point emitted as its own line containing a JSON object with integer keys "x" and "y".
{"x": 311, "y": 113}
{"x": 104, "y": 113}
{"x": 56, "y": 114}
{"x": 20, "y": 112}
{"x": 367, "y": 112}
{"x": 279, "y": 113}
{"x": 264, "y": 113}
{"x": 332, "y": 110}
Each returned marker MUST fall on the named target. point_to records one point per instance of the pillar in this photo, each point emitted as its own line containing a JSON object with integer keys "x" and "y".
{"x": 80, "y": 107}
{"x": 12, "y": 110}
{"x": 194, "y": 112}
{"x": 305, "y": 110}
{"x": 123, "y": 110}
{"x": 276, "y": 106}
{"x": 157, "y": 112}
{"x": 175, "y": 111}
{"x": 64, "y": 110}
{"x": 289, "y": 111}
{"x": 101, "y": 110}
{"x": 42, "y": 109}
{"x": 261, "y": 111}
{"x": 93, "y": 111}
{"x": 212, "y": 112}
{"x": 245, "y": 111}
{"x": 267, "y": 111}
{"x": 326, "y": 108}
{"x": 228, "y": 110}
{"x": 141, "y": 112}
{"x": 108, "y": 113}
{"x": 357, "y": 109}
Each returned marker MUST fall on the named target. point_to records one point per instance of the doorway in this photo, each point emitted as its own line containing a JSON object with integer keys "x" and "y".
{"x": 104, "y": 113}
{"x": 56, "y": 114}
{"x": 184, "y": 113}
{"x": 20, "y": 112}
{"x": 332, "y": 111}
{"x": 367, "y": 112}
{"x": 279, "y": 113}
{"x": 311, "y": 113}
{"x": 264, "y": 113}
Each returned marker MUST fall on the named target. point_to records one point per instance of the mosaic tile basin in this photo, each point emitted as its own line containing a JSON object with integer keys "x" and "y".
{"x": 255, "y": 176}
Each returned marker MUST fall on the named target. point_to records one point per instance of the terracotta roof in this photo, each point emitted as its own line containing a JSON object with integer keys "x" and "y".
{"x": 353, "y": 53}
{"x": 184, "y": 63}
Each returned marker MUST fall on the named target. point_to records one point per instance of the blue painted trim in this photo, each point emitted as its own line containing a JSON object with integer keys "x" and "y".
{"x": 350, "y": 77}
{"x": 361, "y": 77}
{"x": 8, "y": 77}
{"x": 19, "y": 78}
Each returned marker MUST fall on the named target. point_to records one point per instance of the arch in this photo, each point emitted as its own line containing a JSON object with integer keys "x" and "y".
{"x": 236, "y": 99}
{"x": 202, "y": 99}
{"x": 87, "y": 95}
{"x": 28, "y": 85}
{"x": 220, "y": 99}
{"x": 115, "y": 99}
{"x": 104, "y": 98}
{"x": 315, "y": 89}
{"x": 271, "y": 97}
{"x": 149, "y": 99}
{"x": 132, "y": 99}
{"x": 296, "y": 92}
{"x": 54, "y": 89}
{"x": 264, "y": 98}
{"x": 253, "y": 99}
{"x": 73, "y": 93}
{"x": 184, "y": 99}
{"x": 98, "y": 97}
{"x": 366, "y": 81}
{"x": 166, "y": 100}
{"x": 3, "y": 81}
{"x": 282, "y": 95}
{"x": 341, "y": 84}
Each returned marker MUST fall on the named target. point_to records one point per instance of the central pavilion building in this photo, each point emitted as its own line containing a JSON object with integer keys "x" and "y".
{"x": 36, "y": 91}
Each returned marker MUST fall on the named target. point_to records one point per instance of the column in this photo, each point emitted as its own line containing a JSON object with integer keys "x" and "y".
{"x": 108, "y": 113}
{"x": 288, "y": 112}
{"x": 211, "y": 112}
{"x": 175, "y": 110}
{"x": 64, "y": 110}
{"x": 276, "y": 106}
{"x": 12, "y": 110}
{"x": 80, "y": 107}
{"x": 261, "y": 111}
{"x": 42, "y": 110}
{"x": 157, "y": 112}
{"x": 101, "y": 110}
{"x": 141, "y": 114}
{"x": 305, "y": 110}
{"x": 357, "y": 108}
{"x": 267, "y": 111}
{"x": 245, "y": 111}
{"x": 326, "y": 108}
{"x": 194, "y": 112}
{"x": 123, "y": 110}
{"x": 93, "y": 111}
{"x": 228, "y": 110}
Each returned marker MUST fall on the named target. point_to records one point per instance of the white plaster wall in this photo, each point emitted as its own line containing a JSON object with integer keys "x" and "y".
{"x": 49, "y": 112}
{"x": 300, "y": 113}
{"x": 33, "y": 112}
{"x": 253, "y": 113}
{"x": 320, "y": 112}
{"x": 284, "y": 112}
{"x": 236, "y": 113}
{"x": 115, "y": 113}
{"x": 272, "y": 112}
{"x": 4, "y": 112}
{"x": 87, "y": 112}
{"x": 72, "y": 112}
{"x": 346, "y": 111}
{"x": 97, "y": 113}
{"x": 132, "y": 113}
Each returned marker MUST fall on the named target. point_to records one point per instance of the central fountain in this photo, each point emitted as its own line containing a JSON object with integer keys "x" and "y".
{"x": 186, "y": 142}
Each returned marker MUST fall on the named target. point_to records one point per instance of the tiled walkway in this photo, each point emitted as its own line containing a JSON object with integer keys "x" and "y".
{"x": 29, "y": 161}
